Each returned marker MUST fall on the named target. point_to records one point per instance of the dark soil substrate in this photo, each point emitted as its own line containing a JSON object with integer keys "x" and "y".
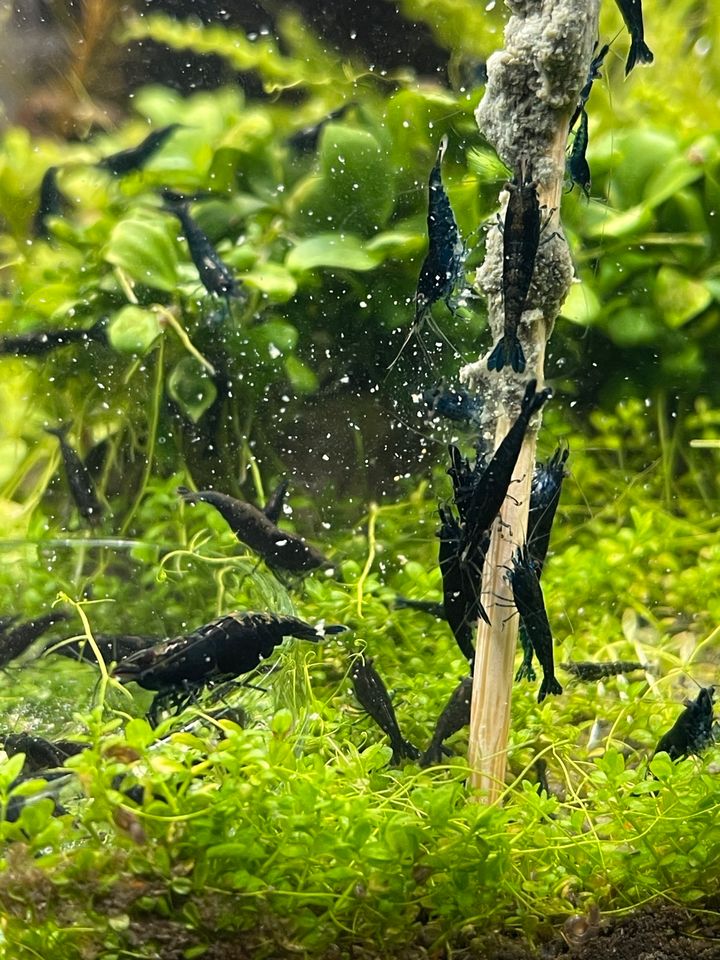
{"x": 657, "y": 933}
{"x": 662, "y": 932}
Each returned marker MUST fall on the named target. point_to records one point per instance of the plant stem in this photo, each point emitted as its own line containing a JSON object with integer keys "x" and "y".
{"x": 152, "y": 436}
{"x": 372, "y": 517}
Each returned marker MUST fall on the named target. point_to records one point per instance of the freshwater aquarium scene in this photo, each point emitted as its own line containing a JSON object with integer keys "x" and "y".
{"x": 359, "y": 479}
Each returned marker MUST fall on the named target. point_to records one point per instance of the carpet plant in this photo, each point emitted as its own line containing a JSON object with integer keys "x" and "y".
{"x": 280, "y": 828}
{"x": 287, "y": 825}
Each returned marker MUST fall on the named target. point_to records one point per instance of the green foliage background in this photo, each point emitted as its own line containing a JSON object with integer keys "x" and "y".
{"x": 290, "y": 828}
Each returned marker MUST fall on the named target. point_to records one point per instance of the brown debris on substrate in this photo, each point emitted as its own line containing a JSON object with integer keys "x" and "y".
{"x": 664, "y": 932}
{"x": 661, "y": 932}
{"x": 27, "y": 896}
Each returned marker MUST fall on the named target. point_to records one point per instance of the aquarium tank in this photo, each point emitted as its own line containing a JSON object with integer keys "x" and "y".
{"x": 359, "y": 479}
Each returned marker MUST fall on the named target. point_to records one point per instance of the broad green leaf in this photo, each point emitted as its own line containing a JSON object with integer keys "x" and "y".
{"x": 670, "y": 179}
{"x": 629, "y": 221}
{"x": 397, "y": 244}
{"x": 357, "y": 175}
{"x": 11, "y": 769}
{"x": 301, "y": 376}
{"x": 35, "y": 816}
{"x": 139, "y": 733}
{"x": 339, "y": 250}
{"x": 241, "y": 257}
{"x": 282, "y": 723}
{"x": 222, "y": 218}
{"x": 227, "y": 850}
{"x": 640, "y": 152}
{"x": 145, "y": 252}
{"x": 277, "y": 336}
{"x": 272, "y": 279}
{"x": 581, "y": 305}
{"x": 52, "y": 298}
{"x": 355, "y": 188}
{"x": 472, "y": 29}
{"x": 191, "y": 387}
{"x": 679, "y": 297}
{"x": 713, "y": 285}
{"x": 13, "y": 451}
{"x": 254, "y": 125}
{"x": 213, "y": 110}
{"x": 633, "y": 326}
{"x": 661, "y": 766}
{"x": 133, "y": 330}
{"x": 487, "y": 164}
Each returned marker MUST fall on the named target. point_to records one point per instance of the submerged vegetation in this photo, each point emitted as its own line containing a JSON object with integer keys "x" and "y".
{"x": 271, "y": 819}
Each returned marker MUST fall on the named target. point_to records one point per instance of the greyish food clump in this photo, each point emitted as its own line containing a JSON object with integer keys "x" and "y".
{"x": 541, "y": 70}
{"x": 536, "y": 79}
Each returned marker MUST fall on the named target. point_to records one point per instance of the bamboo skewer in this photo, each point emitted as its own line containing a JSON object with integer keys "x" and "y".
{"x": 533, "y": 87}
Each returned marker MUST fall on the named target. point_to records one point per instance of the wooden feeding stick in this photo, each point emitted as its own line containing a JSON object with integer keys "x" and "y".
{"x": 533, "y": 87}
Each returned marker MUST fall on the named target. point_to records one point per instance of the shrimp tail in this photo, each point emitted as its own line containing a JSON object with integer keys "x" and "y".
{"x": 187, "y": 495}
{"x": 404, "y": 750}
{"x": 639, "y": 52}
{"x": 60, "y": 432}
{"x": 508, "y": 350}
{"x": 330, "y": 630}
{"x": 532, "y": 401}
{"x": 549, "y": 685}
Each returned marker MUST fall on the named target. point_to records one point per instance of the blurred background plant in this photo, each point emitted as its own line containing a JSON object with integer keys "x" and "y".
{"x": 326, "y": 230}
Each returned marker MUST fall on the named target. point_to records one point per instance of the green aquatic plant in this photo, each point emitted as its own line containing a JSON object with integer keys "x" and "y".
{"x": 268, "y": 816}
{"x": 289, "y": 829}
